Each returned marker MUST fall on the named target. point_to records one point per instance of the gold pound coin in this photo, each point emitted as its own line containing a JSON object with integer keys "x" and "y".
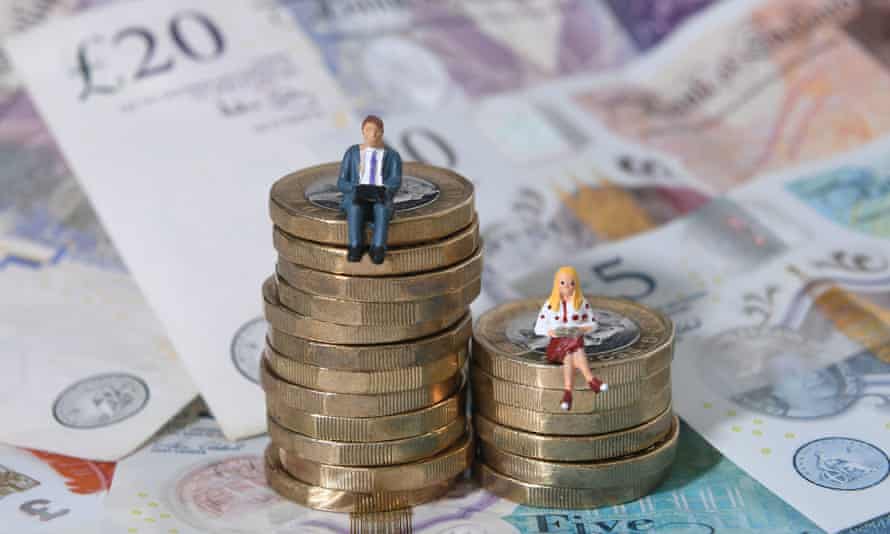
{"x": 383, "y": 289}
{"x": 431, "y": 203}
{"x": 546, "y": 496}
{"x": 650, "y": 464}
{"x": 370, "y": 429}
{"x": 630, "y": 342}
{"x": 583, "y": 401}
{"x": 570, "y": 423}
{"x": 345, "y": 501}
{"x": 574, "y": 448}
{"x": 387, "y": 314}
{"x": 369, "y": 453}
{"x": 350, "y": 381}
{"x": 295, "y": 324}
{"x": 443, "y": 466}
{"x": 427, "y": 256}
{"x": 352, "y": 405}
{"x": 381, "y": 357}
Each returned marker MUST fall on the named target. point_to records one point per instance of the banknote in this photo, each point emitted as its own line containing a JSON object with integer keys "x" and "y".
{"x": 42, "y": 492}
{"x": 849, "y": 193}
{"x": 213, "y": 116}
{"x": 192, "y": 480}
{"x": 787, "y": 376}
{"x": 754, "y": 87}
{"x": 88, "y": 370}
{"x": 393, "y": 57}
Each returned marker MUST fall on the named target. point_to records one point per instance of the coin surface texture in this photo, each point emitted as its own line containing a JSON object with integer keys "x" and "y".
{"x": 631, "y": 341}
{"x": 399, "y": 260}
{"x": 432, "y": 203}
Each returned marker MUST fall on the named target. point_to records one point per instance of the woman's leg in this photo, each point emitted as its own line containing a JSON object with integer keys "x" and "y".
{"x": 581, "y": 363}
{"x": 567, "y": 372}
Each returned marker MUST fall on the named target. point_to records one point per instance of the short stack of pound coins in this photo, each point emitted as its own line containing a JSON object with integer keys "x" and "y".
{"x": 610, "y": 447}
{"x": 364, "y": 366}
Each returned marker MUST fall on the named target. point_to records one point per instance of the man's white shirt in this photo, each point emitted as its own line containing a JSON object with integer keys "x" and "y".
{"x": 366, "y": 168}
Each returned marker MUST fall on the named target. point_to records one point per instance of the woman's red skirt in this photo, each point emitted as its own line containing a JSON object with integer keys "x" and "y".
{"x": 560, "y": 346}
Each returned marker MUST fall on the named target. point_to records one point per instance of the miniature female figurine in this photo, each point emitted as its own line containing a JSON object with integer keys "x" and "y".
{"x": 565, "y": 317}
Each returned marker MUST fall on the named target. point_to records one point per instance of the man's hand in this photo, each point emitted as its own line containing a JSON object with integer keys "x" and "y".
{"x": 550, "y": 333}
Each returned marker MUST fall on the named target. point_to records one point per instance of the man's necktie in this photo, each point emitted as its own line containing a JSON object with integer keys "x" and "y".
{"x": 373, "y": 166}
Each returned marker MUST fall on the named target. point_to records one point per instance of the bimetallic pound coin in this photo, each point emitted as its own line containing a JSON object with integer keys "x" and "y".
{"x": 383, "y": 289}
{"x": 574, "y": 424}
{"x": 370, "y": 429}
{"x": 583, "y": 401}
{"x": 630, "y": 341}
{"x": 652, "y": 464}
{"x": 350, "y": 381}
{"x": 354, "y": 405}
{"x": 344, "y": 501}
{"x": 440, "y": 467}
{"x": 293, "y": 323}
{"x": 378, "y": 357}
{"x": 548, "y": 496}
{"x": 432, "y": 203}
{"x": 390, "y": 314}
{"x": 388, "y": 452}
{"x": 400, "y": 260}
{"x": 574, "y": 448}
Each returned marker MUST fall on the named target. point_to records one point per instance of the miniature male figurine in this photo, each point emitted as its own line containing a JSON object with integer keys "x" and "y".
{"x": 370, "y": 177}
{"x": 565, "y": 317}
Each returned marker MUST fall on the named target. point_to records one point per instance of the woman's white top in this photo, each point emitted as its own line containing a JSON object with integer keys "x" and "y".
{"x": 565, "y": 315}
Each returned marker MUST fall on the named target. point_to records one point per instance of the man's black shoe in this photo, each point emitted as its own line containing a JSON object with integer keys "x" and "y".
{"x": 377, "y": 254}
{"x": 354, "y": 254}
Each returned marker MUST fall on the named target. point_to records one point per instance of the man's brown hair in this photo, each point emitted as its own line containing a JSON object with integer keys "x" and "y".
{"x": 373, "y": 119}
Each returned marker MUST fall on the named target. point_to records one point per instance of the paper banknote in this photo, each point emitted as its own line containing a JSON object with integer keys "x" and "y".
{"x": 88, "y": 370}
{"x": 414, "y": 56}
{"x": 48, "y": 493}
{"x": 192, "y": 192}
{"x": 757, "y": 87}
{"x": 193, "y": 480}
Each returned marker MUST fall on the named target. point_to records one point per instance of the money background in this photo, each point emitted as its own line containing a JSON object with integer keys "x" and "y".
{"x": 570, "y": 116}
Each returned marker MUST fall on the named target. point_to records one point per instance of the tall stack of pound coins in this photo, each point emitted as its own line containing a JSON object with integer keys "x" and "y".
{"x": 610, "y": 447}
{"x": 364, "y": 366}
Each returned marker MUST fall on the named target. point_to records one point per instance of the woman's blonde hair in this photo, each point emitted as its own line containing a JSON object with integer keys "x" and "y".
{"x": 553, "y": 301}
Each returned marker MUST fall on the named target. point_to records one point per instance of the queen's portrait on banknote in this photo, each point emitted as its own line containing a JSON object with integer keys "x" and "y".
{"x": 565, "y": 317}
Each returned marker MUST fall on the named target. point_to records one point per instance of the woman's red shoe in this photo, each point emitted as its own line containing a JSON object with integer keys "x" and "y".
{"x": 597, "y": 385}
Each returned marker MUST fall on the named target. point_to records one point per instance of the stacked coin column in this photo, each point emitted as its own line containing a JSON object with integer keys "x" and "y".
{"x": 364, "y": 367}
{"x": 610, "y": 447}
